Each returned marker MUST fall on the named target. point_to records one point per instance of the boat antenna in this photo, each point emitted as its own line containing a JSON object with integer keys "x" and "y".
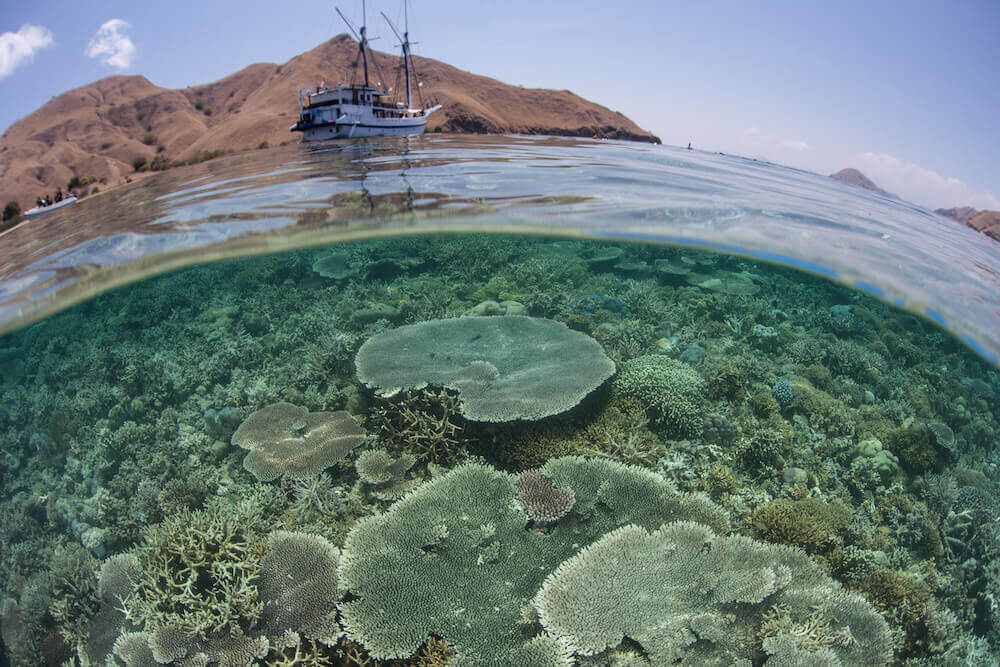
{"x": 405, "y": 43}
{"x": 360, "y": 35}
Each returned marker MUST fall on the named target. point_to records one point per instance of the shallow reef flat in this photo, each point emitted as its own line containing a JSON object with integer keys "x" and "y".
{"x": 549, "y": 451}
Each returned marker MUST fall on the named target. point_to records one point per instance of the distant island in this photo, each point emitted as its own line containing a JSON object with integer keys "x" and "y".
{"x": 118, "y": 128}
{"x": 855, "y": 177}
{"x": 986, "y": 222}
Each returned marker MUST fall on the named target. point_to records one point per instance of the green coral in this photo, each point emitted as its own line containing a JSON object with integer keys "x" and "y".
{"x": 671, "y": 391}
{"x": 878, "y": 457}
{"x": 454, "y": 558}
{"x": 809, "y": 523}
{"x": 913, "y": 446}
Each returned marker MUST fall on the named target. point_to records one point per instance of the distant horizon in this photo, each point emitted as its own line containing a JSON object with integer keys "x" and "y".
{"x": 804, "y": 86}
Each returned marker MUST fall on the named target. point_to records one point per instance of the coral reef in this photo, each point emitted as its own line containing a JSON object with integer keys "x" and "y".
{"x": 119, "y": 415}
{"x": 465, "y": 534}
{"x": 425, "y": 423}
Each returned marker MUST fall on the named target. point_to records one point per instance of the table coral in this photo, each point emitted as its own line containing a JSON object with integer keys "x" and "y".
{"x": 504, "y": 368}
{"x": 687, "y": 594}
{"x": 285, "y": 439}
{"x": 464, "y": 533}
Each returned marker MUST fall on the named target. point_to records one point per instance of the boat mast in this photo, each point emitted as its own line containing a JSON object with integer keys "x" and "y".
{"x": 406, "y": 53}
{"x": 364, "y": 41}
{"x": 362, "y": 36}
{"x": 405, "y": 40}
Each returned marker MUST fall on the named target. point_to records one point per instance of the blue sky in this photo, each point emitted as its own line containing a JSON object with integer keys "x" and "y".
{"x": 907, "y": 91}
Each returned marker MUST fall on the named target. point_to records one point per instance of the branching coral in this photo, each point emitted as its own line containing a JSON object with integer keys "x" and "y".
{"x": 198, "y": 572}
{"x": 425, "y": 423}
{"x": 671, "y": 391}
{"x": 810, "y": 523}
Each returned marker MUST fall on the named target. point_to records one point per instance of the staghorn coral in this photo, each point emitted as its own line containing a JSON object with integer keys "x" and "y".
{"x": 284, "y": 439}
{"x": 541, "y": 500}
{"x": 210, "y": 590}
{"x": 504, "y": 368}
{"x": 686, "y": 594}
{"x": 198, "y": 573}
{"x": 465, "y": 533}
{"x": 424, "y": 422}
{"x": 671, "y": 391}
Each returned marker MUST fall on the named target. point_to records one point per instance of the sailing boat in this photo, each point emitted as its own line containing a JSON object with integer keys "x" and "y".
{"x": 351, "y": 111}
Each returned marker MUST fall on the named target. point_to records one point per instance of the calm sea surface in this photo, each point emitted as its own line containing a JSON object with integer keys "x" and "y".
{"x": 498, "y": 400}
{"x": 283, "y": 198}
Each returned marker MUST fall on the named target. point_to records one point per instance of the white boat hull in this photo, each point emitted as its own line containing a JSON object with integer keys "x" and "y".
{"x": 35, "y": 212}
{"x": 336, "y": 130}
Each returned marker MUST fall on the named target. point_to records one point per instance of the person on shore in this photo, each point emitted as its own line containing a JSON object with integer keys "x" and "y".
{"x": 59, "y": 195}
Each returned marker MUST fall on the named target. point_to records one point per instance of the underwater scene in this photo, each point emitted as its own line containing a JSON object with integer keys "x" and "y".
{"x": 485, "y": 449}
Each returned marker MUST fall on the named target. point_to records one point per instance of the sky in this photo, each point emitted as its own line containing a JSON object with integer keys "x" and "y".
{"x": 907, "y": 91}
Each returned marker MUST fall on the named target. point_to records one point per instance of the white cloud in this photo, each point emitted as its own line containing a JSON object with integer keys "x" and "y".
{"x": 921, "y": 185}
{"x": 795, "y": 145}
{"x": 112, "y": 45}
{"x": 18, "y": 47}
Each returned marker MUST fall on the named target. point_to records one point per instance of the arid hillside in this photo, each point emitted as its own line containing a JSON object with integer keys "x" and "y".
{"x": 855, "y": 177}
{"x": 100, "y": 132}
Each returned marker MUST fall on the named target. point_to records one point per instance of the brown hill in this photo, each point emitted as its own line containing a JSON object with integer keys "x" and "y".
{"x": 855, "y": 177}
{"x": 987, "y": 222}
{"x": 98, "y": 130}
{"x": 959, "y": 213}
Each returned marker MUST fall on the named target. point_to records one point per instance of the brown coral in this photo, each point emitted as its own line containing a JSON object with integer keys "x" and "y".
{"x": 425, "y": 423}
{"x": 809, "y": 523}
{"x": 285, "y": 439}
{"x": 542, "y": 501}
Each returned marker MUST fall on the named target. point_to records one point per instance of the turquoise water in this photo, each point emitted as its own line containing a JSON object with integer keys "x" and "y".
{"x": 274, "y": 454}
